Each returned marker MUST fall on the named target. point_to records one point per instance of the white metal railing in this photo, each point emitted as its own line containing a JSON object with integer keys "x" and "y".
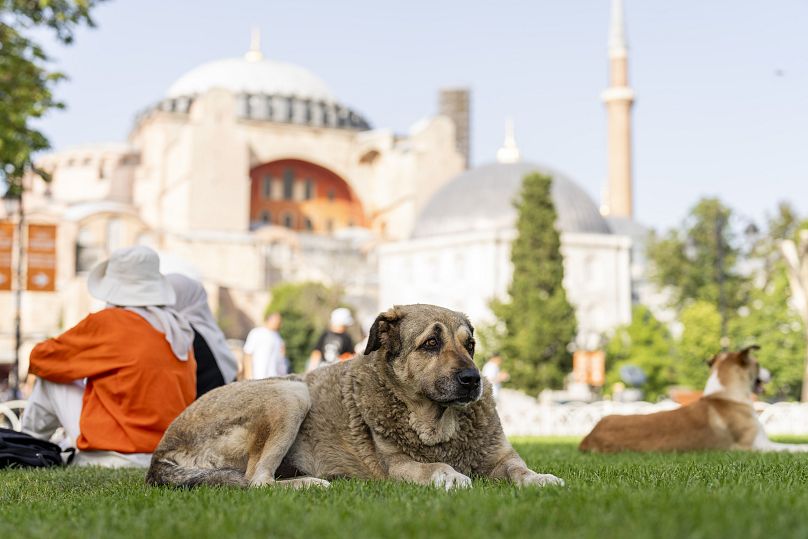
{"x": 522, "y": 415}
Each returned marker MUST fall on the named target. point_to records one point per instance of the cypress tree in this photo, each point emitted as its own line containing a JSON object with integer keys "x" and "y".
{"x": 539, "y": 321}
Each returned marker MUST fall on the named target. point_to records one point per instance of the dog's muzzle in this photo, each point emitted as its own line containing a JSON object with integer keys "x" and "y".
{"x": 763, "y": 377}
{"x": 469, "y": 385}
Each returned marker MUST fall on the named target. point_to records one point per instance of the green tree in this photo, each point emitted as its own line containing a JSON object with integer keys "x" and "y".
{"x": 539, "y": 321}
{"x": 700, "y": 340}
{"x": 768, "y": 318}
{"x": 305, "y": 309}
{"x": 692, "y": 260}
{"x": 26, "y": 82}
{"x": 770, "y": 322}
{"x": 646, "y": 343}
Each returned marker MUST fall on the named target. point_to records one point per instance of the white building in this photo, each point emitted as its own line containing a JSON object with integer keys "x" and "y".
{"x": 251, "y": 172}
{"x": 458, "y": 255}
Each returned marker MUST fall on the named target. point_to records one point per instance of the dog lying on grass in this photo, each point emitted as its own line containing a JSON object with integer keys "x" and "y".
{"x": 412, "y": 408}
{"x": 723, "y": 418}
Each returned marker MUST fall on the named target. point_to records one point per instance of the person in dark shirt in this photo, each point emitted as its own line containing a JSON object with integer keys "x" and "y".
{"x": 334, "y": 344}
{"x": 215, "y": 363}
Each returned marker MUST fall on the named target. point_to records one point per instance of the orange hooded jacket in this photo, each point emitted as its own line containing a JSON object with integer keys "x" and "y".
{"x": 135, "y": 388}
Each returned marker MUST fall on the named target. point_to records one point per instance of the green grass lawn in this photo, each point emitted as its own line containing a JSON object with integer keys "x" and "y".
{"x": 729, "y": 495}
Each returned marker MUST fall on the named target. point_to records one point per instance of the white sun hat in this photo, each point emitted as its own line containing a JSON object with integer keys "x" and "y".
{"x": 341, "y": 317}
{"x": 131, "y": 278}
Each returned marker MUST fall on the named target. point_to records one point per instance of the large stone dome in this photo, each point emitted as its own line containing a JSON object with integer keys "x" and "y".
{"x": 264, "y": 90}
{"x": 259, "y": 76}
{"x": 482, "y": 199}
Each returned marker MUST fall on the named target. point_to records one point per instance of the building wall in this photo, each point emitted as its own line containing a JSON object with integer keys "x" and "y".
{"x": 466, "y": 271}
{"x": 195, "y": 168}
{"x": 302, "y": 196}
{"x": 86, "y": 173}
{"x": 182, "y": 185}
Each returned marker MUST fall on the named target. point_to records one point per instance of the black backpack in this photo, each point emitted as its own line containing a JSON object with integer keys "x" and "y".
{"x": 22, "y": 450}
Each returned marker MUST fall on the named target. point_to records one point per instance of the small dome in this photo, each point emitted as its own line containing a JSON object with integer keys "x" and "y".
{"x": 258, "y": 76}
{"x": 482, "y": 199}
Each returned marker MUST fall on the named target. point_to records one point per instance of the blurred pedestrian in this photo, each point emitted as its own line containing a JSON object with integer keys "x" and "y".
{"x": 492, "y": 371}
{"x": 265, "y": 351}
{"x": 117, "y": 379}
{"x": 334, "y": 344}
{"x": 215, "y": 363}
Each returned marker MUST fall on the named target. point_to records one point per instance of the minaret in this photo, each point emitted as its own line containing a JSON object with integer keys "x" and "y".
{"x": 509, "y": 152}
{"x": 619, "y": 98}
{"x": 254, "y": 54}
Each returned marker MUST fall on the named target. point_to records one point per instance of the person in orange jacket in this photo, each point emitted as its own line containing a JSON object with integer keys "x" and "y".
{"x": 117, "y": 379}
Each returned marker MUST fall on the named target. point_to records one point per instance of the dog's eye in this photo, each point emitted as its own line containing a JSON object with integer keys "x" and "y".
{"x": 430, "y": 344}
{"x": 470, "y": 347}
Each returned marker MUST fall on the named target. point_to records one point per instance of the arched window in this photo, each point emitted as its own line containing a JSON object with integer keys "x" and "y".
{"x": 266, "y": 186}
{"x": 288, "y": 184}
{"x": 304, "y": 191}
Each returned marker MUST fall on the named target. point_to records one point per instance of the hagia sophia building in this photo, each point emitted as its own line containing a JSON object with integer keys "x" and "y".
{"x": 250, "y": 172}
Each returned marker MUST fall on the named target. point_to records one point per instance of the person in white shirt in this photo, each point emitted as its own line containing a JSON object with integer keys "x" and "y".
{"x": 492, "y": 371}
{"x": 265, "y": 351}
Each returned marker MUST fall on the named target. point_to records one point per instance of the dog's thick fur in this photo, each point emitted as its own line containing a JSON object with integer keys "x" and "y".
{"x": 723, "y": 418}
{"x": 412, "y": 408}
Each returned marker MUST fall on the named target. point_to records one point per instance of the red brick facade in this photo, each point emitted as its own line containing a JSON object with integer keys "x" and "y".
{"x": 302, "y": 196}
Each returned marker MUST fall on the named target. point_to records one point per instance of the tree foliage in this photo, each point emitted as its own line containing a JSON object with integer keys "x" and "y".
{"x": 700, "y": 340}
{"x": 771, "y": 323}
{"x": 305, "y": 309}
{"x": 646, "y": 343}
{"x": 26, "y": 81}
{"x": 686, "y": 260}
{"x": 768, "y": 318}
{"x": 757, "y": 298}
{"x": 539, "y": 321}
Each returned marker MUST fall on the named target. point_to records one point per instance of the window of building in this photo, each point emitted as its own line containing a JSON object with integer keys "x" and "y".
{"x": 309, "y": 193}
{"x": 114, "y": 235}
{"x": 289, "y": 220}
{"x": 266, "y": 186}
{"x": 88, "y": 250}
{"x": 266, "y": 217}
{"x": 288, "y": 184}
{"x": 308, "y": 224}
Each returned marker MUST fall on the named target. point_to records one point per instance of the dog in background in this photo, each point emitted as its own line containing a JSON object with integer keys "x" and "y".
{"x": 723, "y": 418}
{"x": 412, "y": 408}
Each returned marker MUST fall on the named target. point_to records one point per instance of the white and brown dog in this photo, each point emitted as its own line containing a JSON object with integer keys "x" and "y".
{"x": 723, "y": 418}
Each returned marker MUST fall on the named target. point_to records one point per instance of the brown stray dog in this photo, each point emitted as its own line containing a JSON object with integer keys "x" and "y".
{"x": 723, "y": 418}
{"x": 412, "y": 408}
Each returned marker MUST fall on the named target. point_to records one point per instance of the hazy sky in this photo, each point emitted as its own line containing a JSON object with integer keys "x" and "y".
{"x": 722, "y": 86}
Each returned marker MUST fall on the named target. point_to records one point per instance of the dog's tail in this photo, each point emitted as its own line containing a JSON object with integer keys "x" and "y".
{"x": 167, "y": 472}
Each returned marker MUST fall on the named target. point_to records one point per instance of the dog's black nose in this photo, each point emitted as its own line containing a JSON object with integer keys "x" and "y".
{"x": 468, "y": 377}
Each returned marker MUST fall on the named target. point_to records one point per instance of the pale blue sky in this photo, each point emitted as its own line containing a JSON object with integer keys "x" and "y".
{"x": 722, "y": 86}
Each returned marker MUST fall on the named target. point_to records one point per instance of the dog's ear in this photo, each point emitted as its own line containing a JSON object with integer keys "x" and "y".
{"x": 744, "y": 353}
{"x": 384, "y": 332}
{"x": 710, "y": 362}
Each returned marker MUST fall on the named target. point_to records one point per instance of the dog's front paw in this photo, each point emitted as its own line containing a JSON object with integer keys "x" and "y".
{"x": 529, "y": 478}
{"x": 449, "y": 478}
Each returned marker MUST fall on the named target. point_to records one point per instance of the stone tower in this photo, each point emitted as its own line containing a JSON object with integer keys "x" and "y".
{"x": 454, "y": 103}
{"x": 619, "y": 98}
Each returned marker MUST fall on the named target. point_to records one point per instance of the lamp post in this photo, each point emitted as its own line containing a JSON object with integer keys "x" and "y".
{"x": 13, "y": 203}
